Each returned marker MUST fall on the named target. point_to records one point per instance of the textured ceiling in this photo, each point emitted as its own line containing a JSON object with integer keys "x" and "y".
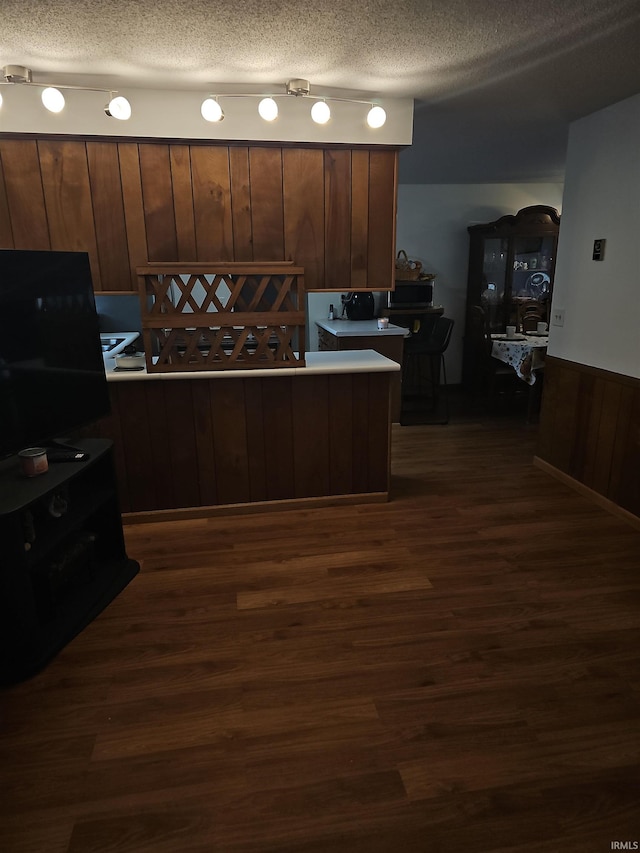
{"x": 496, "y": 82}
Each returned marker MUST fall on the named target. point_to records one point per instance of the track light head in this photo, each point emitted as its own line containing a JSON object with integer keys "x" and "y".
{"x": 376, "y": 117}
{"x": 268, "y": 109}
{"x": 118, "y": 107}
{"x": 320, "y": 112}
{"x": 211, "y": 110}
{"x": 52, "y": 99}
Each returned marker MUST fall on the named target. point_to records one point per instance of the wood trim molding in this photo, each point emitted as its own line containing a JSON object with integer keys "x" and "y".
{"x": 251, "y": 508}
{"x": 588, "y": 493}
{"x": 180, "y": 140}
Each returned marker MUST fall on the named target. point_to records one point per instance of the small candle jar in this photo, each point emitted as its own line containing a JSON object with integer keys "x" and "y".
{"x": 33, "y": 461}
{"x": 383, "y": 322}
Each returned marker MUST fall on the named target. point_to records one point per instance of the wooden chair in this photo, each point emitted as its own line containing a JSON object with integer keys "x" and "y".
{"x": 428, "y": 351}
{"x": 490, "y": 374}
{"x": 530, "y": 314}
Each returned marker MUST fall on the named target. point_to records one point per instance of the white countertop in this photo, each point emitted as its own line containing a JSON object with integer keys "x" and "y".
{"x": 354, "y": 328}
{"x": 352, "y": 361}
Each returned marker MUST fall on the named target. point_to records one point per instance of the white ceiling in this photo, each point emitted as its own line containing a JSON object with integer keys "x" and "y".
{"x": 496, "y": 82}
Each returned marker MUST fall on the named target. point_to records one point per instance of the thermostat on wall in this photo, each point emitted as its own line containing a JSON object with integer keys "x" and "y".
{"x": 598, "y": 250}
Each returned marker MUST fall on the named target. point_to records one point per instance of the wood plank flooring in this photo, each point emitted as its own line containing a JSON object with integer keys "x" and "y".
{"x": 456, "y": 670}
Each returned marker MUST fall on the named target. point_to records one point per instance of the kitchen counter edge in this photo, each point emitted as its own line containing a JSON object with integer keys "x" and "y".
{"x": 354, "y": 361}
{"x": 359, "y": 328}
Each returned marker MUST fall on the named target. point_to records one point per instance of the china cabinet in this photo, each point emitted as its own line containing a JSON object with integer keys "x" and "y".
{"x": 511, "y": 269}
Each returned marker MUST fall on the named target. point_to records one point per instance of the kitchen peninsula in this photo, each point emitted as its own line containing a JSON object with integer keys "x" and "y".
{"x": 344, "y": 335}
{"x": 205, "y": 442}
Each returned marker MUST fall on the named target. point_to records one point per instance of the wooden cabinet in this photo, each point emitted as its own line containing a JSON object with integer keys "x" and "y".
{"x": 391, "y": 346}
{"x": 63, "y": 555}
{"x": 195, "y": 444}
{"x": 129, "y": 203}
{"x": 511, "y": 265}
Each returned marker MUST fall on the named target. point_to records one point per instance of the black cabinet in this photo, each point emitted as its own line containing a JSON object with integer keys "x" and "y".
{"x": 63, "y": 555}
{"x": 511, "y": 268}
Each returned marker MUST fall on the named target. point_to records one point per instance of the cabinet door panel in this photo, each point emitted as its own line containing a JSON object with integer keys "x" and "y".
{"x": 182, "y": 182}
{"x": 157, "y": 193}
{"x": 68, "y": 200}
{"x": 212, "y": 202}
{"x": 337, "y": 191}
{"x": 229, "y": 420}
{"x": 360, "y": 219}
{"x": 241, "y": 203}
{"x": 6, "y": 236}
{"x": 311, "y": 461}
{"x": 21, "y": 168}
{"x": 303, "y": 181}
{"x": 129, "y": 157}
{"x": 382, "y": 219}
{"x": 265, "y": 173}
{"x": 108, "y": 211}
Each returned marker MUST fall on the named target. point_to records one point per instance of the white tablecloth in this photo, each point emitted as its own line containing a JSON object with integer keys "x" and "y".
{"x": 524, "y": 356}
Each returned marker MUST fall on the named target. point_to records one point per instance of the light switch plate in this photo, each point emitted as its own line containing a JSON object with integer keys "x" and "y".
{"x": 557, "y": 317}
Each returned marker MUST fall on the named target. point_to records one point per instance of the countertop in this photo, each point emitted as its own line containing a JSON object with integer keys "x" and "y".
{"x": 353, "y": 361}
{"x": 355, "y": 328}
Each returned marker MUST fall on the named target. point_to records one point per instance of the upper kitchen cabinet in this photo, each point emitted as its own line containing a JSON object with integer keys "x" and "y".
{"x": 129, "y": 203}
{"x": 511, "y": 265}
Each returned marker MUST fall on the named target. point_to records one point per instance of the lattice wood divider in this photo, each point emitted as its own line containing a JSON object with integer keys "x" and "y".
{"x": 222, "y": 315}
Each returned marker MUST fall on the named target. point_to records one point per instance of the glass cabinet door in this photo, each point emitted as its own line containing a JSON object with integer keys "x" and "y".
{"x": 532, "y": 274}
{"x": 495, "y": 280}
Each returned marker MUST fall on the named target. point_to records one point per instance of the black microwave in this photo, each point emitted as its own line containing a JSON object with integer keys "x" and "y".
{"x": 411, "y": 294}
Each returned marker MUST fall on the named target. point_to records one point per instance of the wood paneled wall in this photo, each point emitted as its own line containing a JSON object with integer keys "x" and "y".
{"x": 207, "y": 442}
{"x": 590, "y": 429}
{"x": 129, "y": 203}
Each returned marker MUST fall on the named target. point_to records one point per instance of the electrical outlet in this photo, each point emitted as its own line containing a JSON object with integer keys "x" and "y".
{"x": 557, "y": 317}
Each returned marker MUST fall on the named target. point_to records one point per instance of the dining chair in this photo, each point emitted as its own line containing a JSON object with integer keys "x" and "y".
{"x": 530, "y": 314}
{"x": 490, "y": 375}
{"x": 424, "y": 360}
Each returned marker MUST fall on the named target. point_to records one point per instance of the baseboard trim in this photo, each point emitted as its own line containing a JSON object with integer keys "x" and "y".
{"x": 586, "y": 492}
{"x": 182, "y": 513}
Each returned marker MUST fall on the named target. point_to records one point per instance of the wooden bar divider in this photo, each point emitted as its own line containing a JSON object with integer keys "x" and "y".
{"x": 222, "y": 315}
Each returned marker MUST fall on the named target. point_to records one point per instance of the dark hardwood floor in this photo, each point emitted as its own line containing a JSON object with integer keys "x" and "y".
{"x": 456, "y": 670}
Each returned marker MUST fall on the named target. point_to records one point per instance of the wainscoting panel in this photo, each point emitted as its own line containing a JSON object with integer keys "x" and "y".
{"x": 192, "y": 443}
{"x": 590, "y": 430}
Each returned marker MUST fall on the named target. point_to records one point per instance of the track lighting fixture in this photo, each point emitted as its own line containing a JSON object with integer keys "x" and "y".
{"x": 268, "y": 108}
{"x": 53, "y": 99}
{"x": 118, "y": 107}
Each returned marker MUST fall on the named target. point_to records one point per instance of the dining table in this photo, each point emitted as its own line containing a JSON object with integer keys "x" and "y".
{"x": 524, "y": 352}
